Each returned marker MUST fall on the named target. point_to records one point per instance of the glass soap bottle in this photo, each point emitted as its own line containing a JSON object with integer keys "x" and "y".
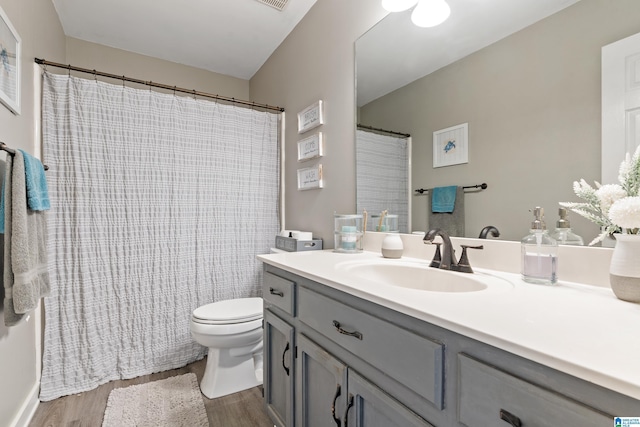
{"x": 563, "y": 233}
{"x": 539, "y": 253}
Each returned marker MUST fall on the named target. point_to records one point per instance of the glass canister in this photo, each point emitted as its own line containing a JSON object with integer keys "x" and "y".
{"x": 348, "y": 233}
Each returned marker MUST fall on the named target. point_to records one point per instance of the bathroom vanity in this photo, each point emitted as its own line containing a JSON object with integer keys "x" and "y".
{"x": 343, "y": 349}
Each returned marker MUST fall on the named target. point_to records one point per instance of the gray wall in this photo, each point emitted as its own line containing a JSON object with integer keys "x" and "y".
{"x": 37, "y": 25}
{"x": 532, "y": 101}
{"x": 316, "y": 61}
{"x": 116, "y": 61}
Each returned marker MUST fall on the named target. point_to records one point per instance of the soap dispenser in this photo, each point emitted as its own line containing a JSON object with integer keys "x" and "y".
{"x": 563, "y": 233}
{"x": 539, "y": 253}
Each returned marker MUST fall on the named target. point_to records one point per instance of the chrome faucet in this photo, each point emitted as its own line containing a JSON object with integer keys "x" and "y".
{"x": 446, "y": 259}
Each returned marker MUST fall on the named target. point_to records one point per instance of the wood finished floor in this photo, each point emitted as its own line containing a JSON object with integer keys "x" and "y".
{"x": 244, "y": 409}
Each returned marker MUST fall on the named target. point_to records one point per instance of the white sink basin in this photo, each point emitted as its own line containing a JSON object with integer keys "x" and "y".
{"x": 411, "y": 275}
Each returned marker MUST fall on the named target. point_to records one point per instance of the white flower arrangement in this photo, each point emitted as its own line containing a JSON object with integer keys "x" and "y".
{"x": 614, "y": 207}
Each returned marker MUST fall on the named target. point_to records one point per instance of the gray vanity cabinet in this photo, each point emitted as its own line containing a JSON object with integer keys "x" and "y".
{"x": 279, "y": 349}
{"x": 362, "y": 364}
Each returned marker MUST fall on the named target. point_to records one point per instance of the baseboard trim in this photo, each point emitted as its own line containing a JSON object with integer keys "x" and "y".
{"x": 28, "y": 409}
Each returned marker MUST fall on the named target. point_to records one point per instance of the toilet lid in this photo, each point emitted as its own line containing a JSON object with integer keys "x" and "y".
{"x": 230, "y": 311}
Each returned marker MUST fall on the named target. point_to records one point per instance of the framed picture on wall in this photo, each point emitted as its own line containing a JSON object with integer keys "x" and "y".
{"x": 9, "y": 65}
{"x": 451, "y": 146}
{"x": 310, "y": 117}
{"x": 311, "y": 147}
{"x": 310, "y": 178}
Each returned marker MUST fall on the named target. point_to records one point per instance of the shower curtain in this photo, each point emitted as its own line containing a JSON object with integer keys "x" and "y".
{"x": 160, "y": 204}
{"x": 382, "y": 175}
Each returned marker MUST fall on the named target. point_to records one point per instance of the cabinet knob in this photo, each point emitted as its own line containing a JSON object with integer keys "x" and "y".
{"x": 510, "y": 418}
{"x": 275, "y": 292}
{"x": 346, "y": 412}
{"x": 286, "y": 369}
{"x": 354, "y": 334}
{"x": 333, "y": 406}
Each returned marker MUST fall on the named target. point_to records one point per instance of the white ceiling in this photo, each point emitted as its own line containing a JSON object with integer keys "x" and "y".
{"x": 231, "y": 37}
{"x": 395, "y": 52}
{"x": 236, "y": 37}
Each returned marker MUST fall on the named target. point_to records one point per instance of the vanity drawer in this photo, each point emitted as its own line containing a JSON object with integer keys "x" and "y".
{"x": 279, "y": 292}
{"x": 412, "y": 360}
{"x": 487, "y": 395}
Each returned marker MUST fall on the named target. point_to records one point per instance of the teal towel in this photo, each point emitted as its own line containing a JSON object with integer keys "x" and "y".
{"x": 443, "y": 199}
{"x": 37, "y": 192}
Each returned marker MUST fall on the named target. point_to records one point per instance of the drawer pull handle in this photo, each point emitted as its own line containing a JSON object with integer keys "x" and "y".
{"x": 333, "y": 406}
{"x": 510, "y": 418}
{"x": 275, "y": 292}
{"x": 346, "y": 412}
{"x": 286, "y": 370}
{"x": 355, "y": 334}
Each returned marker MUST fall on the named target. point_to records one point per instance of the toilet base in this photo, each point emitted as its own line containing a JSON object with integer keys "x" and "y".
{"x": 227, "y": 373}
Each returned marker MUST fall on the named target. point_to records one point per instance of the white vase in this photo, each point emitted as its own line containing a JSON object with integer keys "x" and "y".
{"x": 392, "y": 246}
{"x": 624, "y": 272}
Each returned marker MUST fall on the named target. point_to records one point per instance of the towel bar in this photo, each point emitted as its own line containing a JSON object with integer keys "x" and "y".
{"x": 11, "y": 151}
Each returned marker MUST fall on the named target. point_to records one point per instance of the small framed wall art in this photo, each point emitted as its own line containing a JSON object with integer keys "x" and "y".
{"x": 451, "y": 146}
{"x": 310, "y": 117}
{"x": 310, "y": 178}
{"x": 310, "y": 147}
{"x": 10, "y": 65}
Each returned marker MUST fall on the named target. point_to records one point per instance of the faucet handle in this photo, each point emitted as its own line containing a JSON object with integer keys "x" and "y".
{"x": 463, "y": 265}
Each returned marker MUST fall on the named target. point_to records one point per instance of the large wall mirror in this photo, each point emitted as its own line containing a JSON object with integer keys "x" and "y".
{"x": 527, "y": 81}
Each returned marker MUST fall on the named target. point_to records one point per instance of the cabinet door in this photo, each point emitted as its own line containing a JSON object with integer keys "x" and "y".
{"x": 279, "y": 378}
{"x": 368, "y": 406}
{"x": 322, "y": 386}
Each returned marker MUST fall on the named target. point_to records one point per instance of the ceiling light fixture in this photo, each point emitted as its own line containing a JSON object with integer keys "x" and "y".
{"x": 398, "y": 5}
{"x": 429, "y": 13}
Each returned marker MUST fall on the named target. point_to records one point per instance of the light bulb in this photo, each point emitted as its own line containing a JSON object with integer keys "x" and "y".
{"x": 398, "y": 5}
{"x": 429, "y": 13}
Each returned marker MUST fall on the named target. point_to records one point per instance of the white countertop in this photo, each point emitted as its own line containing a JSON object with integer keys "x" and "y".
{"x": 582, "y": 330}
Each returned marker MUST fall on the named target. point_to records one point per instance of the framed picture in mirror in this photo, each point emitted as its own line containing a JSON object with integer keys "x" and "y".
{"x": 451, "y": 146}
{"x": 10, "y": 67}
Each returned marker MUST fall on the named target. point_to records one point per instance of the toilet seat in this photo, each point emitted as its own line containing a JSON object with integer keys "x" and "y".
{"x": 228, "y": 312}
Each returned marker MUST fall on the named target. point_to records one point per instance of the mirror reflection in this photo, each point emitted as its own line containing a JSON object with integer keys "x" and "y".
{"x": 532, "y": 102}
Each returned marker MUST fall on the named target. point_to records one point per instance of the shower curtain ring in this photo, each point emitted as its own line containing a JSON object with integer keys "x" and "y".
{"x": 174, "y": 90}
{"x": 69, "y": 69}
{"x": 95, "y": 75}
{"x": 194, "y": 95}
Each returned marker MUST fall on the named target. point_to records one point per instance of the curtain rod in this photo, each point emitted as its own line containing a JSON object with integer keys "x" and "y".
{"x": 158, "y": 85}
{"x": 482, "y": 186}
{"x": 406, "y": 135}
{"x": 11, "y": 151}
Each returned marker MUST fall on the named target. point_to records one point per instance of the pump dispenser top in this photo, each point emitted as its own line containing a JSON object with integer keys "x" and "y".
{"x": 539, "y": 252}
{"x": 563, "y": 233}
{"x": 538, "y": 222}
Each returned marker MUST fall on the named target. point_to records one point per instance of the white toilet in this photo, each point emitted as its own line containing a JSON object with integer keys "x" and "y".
{"x": 232, "y": 330}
